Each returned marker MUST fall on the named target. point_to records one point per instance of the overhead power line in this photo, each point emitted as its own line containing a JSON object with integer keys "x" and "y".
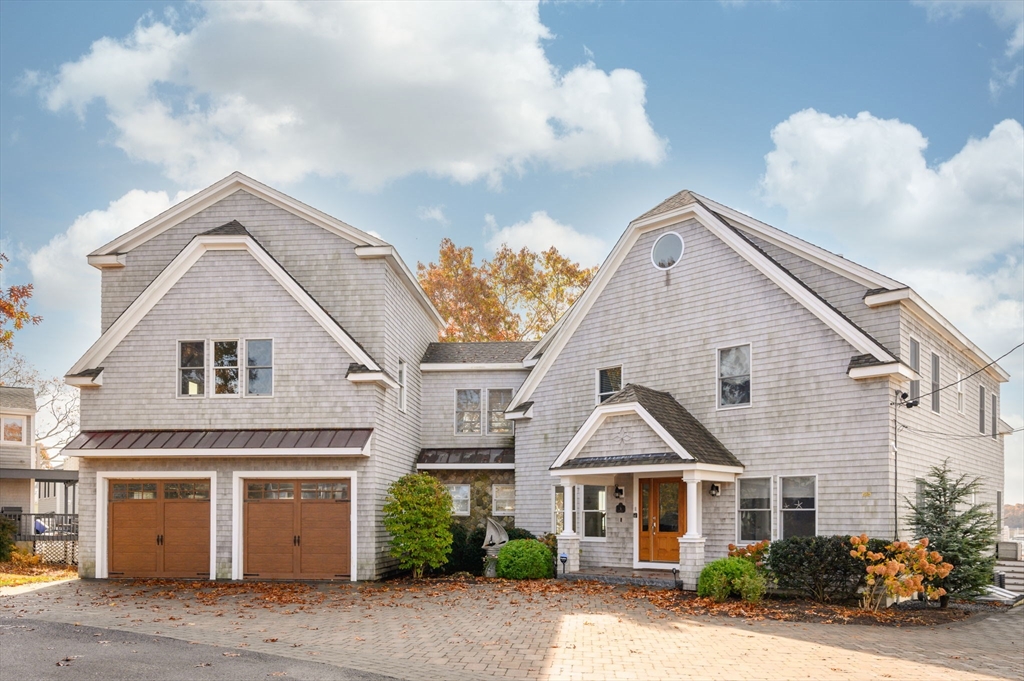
{"x": 1011, "y": 350}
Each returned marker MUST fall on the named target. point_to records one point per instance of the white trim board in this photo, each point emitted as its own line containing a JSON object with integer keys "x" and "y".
{"x": 465, "y": 466}
{"x": 181, "y": 264}
{"x": 102, "y": 491}
{"x": 504, "y": 366}
{"x": 225, "y": 452}
{"x": 560, "y": 334}
{"x": 238, "y": 479}
{"x": 687, "y": 470}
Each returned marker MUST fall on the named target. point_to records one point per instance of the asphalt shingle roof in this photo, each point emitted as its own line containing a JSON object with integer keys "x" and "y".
{"x": 489, "y": 352}
{"x": 17, "y": 398}
{"x": 673, "y": 202}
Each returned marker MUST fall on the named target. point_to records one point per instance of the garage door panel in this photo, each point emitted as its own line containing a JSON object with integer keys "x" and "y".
{"x": 269, "y": 538}
{"x": 133, "y": 538}
{"x": 186, "y": 543}
{"x": 324, "y": 530}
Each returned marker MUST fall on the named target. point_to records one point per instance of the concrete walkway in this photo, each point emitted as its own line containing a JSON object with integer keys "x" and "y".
{"x": 536, "y": 631}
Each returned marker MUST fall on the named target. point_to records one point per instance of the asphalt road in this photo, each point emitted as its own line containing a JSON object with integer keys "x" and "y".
{"x": 35, "y": 650}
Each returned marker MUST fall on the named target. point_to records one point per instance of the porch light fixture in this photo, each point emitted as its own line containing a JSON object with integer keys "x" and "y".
{"x": 619, "y": 492}
{"x": 716, "y": 490}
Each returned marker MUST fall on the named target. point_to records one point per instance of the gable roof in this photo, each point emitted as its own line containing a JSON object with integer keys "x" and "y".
{"x": 690, "y": 206}
{"x": 112, "y": 253}
{"x": 488, "y": 352}
{"x": 687, "y": 439}
{"x": 231, "y": 236}
{"x": 21, "y": 399}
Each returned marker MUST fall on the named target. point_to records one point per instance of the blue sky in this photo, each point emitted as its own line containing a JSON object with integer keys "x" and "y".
{"x": 889, "y": 132}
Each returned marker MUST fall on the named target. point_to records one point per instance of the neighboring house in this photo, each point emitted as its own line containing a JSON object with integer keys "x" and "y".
{"x": 265, "y": 371}
{"x": 17, "y": 448}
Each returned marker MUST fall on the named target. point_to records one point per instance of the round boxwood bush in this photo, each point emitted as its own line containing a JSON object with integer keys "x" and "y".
{"x": 473, "y": 555}
{"x": 819, "y": 568}
{"x": 524, "y": 559}
{"x": 721, "y": 578}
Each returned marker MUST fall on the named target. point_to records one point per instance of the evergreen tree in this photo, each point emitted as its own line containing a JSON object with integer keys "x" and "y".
{"x": 962, "y": 531}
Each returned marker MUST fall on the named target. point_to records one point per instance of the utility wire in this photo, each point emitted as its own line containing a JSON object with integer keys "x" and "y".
{"x": 934, "y": 435}
{"x": 921, "y": 397}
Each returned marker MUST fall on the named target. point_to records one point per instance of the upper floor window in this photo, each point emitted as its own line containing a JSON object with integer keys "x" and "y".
{"x": 915, "y": 364}
{"x": 734, "y": 376}
{"x": 259, "y": 362}
{"x": 995, "y": 416}
{"x": 936, "y": 373}
{"x": 225, "y": 367}
{"x": 467, "y": 412}
{"x": 667, "y": 251}
{"x": 960, "y": 392}
{"x": 401, "y": 385}
{"x": 192, "y": 368}
{"x": 609, "y": 382}
{"x": 14, "y": 429}
{"x": 497, "y": 403}
{"x": 981, "y": 408}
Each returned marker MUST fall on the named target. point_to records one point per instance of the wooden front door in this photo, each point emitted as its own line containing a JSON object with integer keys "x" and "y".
{"x": 297, "y": 529}
{"x": 662, "y": 519}
{"x": 158, "y": 528}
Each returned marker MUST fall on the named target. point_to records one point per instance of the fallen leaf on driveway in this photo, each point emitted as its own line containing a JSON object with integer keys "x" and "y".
{"x": 270, "y": 640}
{"x": 204, "y": 664}
{"x": 231, "y": 654}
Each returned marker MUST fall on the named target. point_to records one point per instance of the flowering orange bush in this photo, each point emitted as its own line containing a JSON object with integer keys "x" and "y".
{"x": 903, "y": 570}
{"x": 755, "y": 553}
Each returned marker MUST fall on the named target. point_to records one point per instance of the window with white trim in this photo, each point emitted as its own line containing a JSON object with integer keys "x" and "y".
{"x": 734, "y": 376}
{"x": 259, "y": 367}
{"x": 460, "y": 499}
{"x": 915, "y": 364}
{"x": 995, "y": 416}
{"x": 936, "y": 374}
{"x": 192, "y": 368}
{"x": 401, "y": 385}
{"x": 981, "y": 409}
{"x": 467, "y": 412}
{"x": 497, "y": 403}
{"x": 609, "y": 382}
{"x": 960, "y": 392}
{"x": 225, "y": 367}
{"x": 503, "y": 499}
{"x": 799, "y": 507}
{"x": 595, "y": 510}
{"x": 14, "y": 430}
{"x": 558, "y": 523}
{"x": 755, "y": 496}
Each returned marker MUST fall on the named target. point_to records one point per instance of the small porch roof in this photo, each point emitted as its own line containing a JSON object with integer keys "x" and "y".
{"x": 455, "y": 458}
{"x": 309, "y": 442}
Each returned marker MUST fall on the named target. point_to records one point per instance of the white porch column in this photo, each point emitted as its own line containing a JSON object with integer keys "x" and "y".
{"x": 691, "y": 544}
{"x": 568, "y": 539}
{"x": 693, "y": 509}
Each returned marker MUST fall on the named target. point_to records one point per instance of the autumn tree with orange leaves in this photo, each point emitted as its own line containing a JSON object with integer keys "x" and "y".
{"x": 14, "y": 309}
{"x": 517, "y": 295}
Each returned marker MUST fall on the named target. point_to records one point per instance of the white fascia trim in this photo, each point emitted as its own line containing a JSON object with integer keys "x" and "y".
{"x": 686, "y": 470}
{"x": 1004, "y": 428}
{"x": 113, "y": 261}
{"x": 238, "y": 479}
{"x": 854, "y": 336}
{"x": 219, "y": 190}
{"x": 920, "y": 308}
{"x": 181, "y": 264}
{"x": 465, "y": 466}
{"x": 85, "y": 381}
{"x": 830, "y": 261}
{"x": 162, "y": 453}
{"x": 102, "y": 492}
{"x": 894, "y": 369}
{"x": 18, "y": 412}
{"x": 505, "y": 366}
{"x": 597, "y": 418}
{"x": 378, "y": 377}
{"x": 520, "y": 416}
{"x": 390, "y": 255}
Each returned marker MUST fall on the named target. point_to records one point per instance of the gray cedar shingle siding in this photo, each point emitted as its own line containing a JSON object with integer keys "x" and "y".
{"x": 497, "y": 352}
{"x": 13, "y": 397}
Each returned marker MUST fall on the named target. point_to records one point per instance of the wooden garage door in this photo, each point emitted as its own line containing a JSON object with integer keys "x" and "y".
{"x": 297, "y": 529}
{"x": 159, "y": 528}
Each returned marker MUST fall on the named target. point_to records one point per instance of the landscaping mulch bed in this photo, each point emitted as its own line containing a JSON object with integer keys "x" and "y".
{"x": 16, "y": 574}
{"x": 800, "y": 610}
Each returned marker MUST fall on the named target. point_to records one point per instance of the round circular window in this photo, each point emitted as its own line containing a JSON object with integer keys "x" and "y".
{"x": 667, "y": 251}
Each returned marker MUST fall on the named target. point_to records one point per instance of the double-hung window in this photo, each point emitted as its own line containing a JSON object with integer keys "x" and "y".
{"x": 259, "y": 362}
{"x": 503, "y": 499}
{"x": 595, "y": 510}
{"x": 497, "y": 403}
{"x": 14, "y": 430}
{"x": 995, "y": 416}
{"x": 981, "y": 409}
{"x": 915, "y": 364}
{"x": 402, "y": 373}
{"x": 225, "y": 367}
{"x": 192, "y": 368}
{"x": 460, "y": 499}
{"x": 799, "y": 507}
{"x": 936, "y": 374}
{"x": 755, "y": 509}
{"x": 960, "y": 392}
{"x": 734, "y": 376}
{"x": 609, "y": 382}
{"x": 467, "y": 412}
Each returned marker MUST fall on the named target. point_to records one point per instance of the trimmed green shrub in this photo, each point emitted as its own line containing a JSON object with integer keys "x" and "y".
{"x": 524, "y": 559}
{"x": 473, "y": 558}
{"x": 417, "y": 515}
{"x": 718, "y": 578}
{"x": 751, "y": 588}
{"x": 457, "y": 559}
{"x": 819, "y": 568}
{"x": 8, "y": 529}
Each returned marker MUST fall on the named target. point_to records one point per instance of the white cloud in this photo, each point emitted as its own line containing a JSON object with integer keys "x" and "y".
{"x": 371, "y": 91}
{"x": 953, "y": 231}
{"x": 434, "y": 213}
{"x": 541, "y": 232}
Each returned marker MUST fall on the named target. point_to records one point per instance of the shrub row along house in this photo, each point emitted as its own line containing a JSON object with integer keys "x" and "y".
{"x": 265, "y": 371}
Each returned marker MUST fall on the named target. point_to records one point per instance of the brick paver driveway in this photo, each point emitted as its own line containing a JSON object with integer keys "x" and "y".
{"x": 565, "y": 631}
